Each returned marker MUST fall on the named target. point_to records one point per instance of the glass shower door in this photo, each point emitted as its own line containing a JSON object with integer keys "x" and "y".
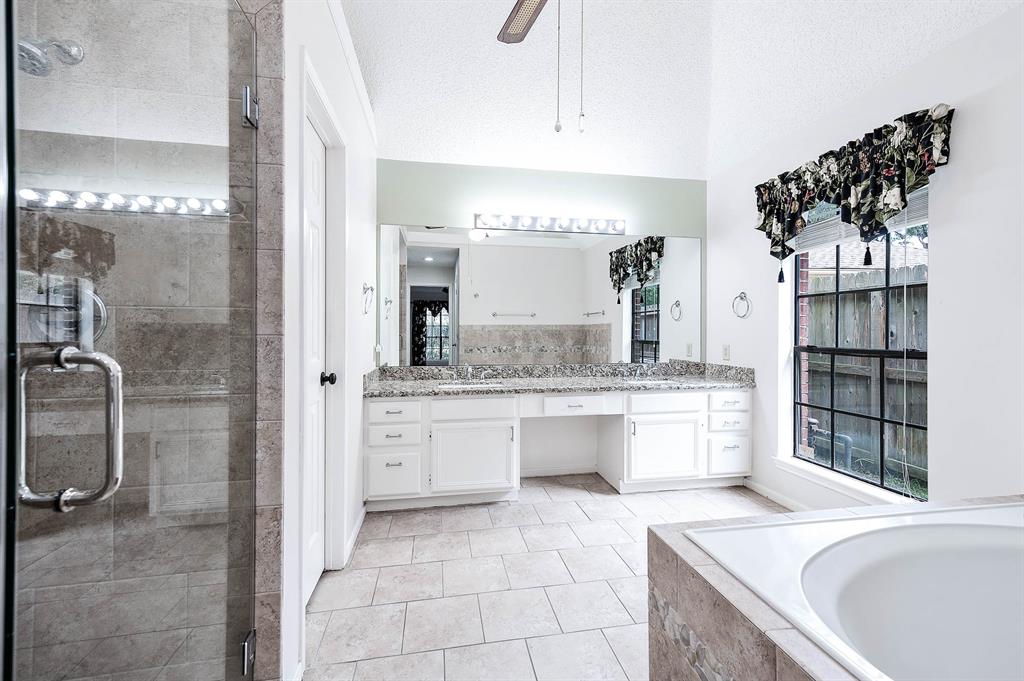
{"x": 134, "y": 299}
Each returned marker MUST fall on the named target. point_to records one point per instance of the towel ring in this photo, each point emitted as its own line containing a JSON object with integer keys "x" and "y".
{"x": 367, "y": 298}
{"x": 743, "y": 302}
{"x": 676, "y": 311}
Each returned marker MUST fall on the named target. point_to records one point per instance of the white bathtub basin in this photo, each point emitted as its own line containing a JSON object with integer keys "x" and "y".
{"x": 934, "y": 595}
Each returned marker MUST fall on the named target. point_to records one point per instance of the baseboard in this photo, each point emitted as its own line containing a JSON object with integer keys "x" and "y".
{"x": 782, "y": 499}
{"x": 443, "y": 500}
{"x": 679, "y": 484}
{"x": 556, "y": 470}
{"x": 350, "y": 541}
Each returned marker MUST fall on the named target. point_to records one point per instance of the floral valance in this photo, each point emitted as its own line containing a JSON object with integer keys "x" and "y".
{"x": 869, "y": 179}
{"x": 640, "y": 258}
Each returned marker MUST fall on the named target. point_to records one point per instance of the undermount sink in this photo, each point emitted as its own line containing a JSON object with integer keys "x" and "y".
{"x": 467, "y": 384}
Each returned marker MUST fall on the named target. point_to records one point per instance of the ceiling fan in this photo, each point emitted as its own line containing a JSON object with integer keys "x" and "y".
{"x": 520, "y": 21}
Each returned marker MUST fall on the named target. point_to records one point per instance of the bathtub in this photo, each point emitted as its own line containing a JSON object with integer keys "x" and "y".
{"x": 906, "y": 595}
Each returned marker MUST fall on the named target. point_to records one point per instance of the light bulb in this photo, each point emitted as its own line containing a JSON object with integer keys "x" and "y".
{"x": 619, "y": 225}
{"x": 600, "y": 225}
{"x": 108, "y": 204}
{"x": 158, "y": 208}
{"x": 206, "y": 209}
{"x": 483, "y": 220}
{"x": 80, "y": 204}
{"x": 477, "y": 235}
{"x": 564, "y": 223}
{"x": 88, "y": 197}
{"x": 545, "y": 222}
{"x": 581, "y": 122}
{"x": 506, "y": 220}
{"x": 169, "y": 202}
{"x": 58, "y": 196}
{"x": 145, "y": 201}
{"x": 219, "y": 204}
{"x": 28, "y": 194}
{"x": 182, "y": 209}
{"x": 558, "y": 126}
{"x": 133, "y": 205}
{"x": 115, "y": 199}
{"x": 428, "y": 259}
{"x": 525, "y": 221}
{"x": 194, "y": 203}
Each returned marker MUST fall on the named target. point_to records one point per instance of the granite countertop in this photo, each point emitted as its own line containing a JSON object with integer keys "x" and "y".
{"x": 376, "y": 387}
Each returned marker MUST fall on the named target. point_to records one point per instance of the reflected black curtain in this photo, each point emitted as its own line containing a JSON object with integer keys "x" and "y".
{"x": 420, "y": 308}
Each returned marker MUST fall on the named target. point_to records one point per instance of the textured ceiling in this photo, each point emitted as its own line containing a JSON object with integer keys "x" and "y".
{"x": 672, "y": 87}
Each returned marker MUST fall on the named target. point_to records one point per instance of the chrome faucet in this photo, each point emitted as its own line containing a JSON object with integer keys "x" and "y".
{"x": 637, "y": 374}
{"x": 488, "y": 373}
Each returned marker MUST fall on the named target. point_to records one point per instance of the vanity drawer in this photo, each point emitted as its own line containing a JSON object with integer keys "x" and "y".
{"x": 728, "y": 420}
{"x": 473, "y": 408}
{"x": 393, "y": 474}
{"x": 390, "y": 436}
{"x": 729, "y": 401}
{"x": 573, "y": 405}
{"x": 393, "y": 412}
{"x": 728, "y": 455}
{"x": 666, "y": 402}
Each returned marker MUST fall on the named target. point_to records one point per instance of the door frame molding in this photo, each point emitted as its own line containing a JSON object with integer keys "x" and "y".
{"x": 317, "y": 108}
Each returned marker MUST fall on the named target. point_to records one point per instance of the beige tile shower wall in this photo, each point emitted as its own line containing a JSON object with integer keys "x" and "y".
{"x": 534, "y": 343}
{"x": 269, "y": 333}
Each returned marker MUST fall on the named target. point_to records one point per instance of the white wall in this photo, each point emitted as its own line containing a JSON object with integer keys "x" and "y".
{"x": 975, "y": 252}
{"x": 317, "y": 26}
{"x": 519, "y": 280}
{"x": 389, "y": 255}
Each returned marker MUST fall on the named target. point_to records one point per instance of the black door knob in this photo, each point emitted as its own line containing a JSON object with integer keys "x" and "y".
{"x": 331, "y": 378}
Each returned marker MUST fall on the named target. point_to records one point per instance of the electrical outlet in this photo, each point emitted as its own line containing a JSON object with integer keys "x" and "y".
{"x": 689, "y": 349}
{"x": 726, "y": 353}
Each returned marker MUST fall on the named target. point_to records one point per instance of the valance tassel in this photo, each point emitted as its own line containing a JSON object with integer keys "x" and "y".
{"x": 782, "y": 277}
{"x": 867, "y": 256}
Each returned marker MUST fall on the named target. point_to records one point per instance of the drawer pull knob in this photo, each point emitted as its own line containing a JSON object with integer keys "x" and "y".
{"x": 730, "y": 423}
{"x": 389, "y": 436}
{"x": 388, "y": 412}
{"x": 730, "y": 402}
{"x": 575, "y": 406}
{"x": 730, "y": 447}
{"x": 393, "y": 465}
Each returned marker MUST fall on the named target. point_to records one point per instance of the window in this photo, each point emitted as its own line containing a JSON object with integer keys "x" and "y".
{"x": 861, "y": 359}
{"x": 437, "y": 341}
{"x": 644, "y": 340}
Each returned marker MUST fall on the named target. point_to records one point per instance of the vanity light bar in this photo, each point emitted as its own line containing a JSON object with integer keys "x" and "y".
{"x": 535, "y": 223}
{"x": 130, "y": 203}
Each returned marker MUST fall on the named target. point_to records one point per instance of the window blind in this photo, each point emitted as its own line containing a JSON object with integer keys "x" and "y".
{"x": 824, "y": 228}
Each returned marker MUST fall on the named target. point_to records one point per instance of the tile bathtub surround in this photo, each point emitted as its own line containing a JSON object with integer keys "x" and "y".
{"x": 537, "y": 589}
{"x": 534, "y": 343}
{"x": 704, "y": 623}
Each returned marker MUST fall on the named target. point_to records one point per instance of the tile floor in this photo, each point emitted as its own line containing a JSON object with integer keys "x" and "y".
{"x": 550, "y": 587}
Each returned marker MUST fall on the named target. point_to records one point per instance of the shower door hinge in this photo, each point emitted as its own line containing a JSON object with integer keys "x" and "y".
{"x": 249, "y": 653}
{"x": 250, "y": 107}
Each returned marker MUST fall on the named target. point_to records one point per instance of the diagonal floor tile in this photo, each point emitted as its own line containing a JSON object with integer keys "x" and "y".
{"x": 501, "y": 661}
{"x": 465, "y": 518}
{"x": 584, "y": 655}
{"x": 595, "y": 562}
{"x": 634, "y": 555}
{"x": 414, "y": 667}
{"x": 408, "y": 583}
{"x": 340, "y": 589}
{"x": 409, "y": 523}
{"x": 543, "y": 568}
{"x": 605, "y": 509}
{"x": 442, "y": 623}
{"x": 474, "y": 575}
{"x": 516, "y": 614}
{"x": 600, "y": 533}
{"x": 560, "y": 512}
{"x": 359, "y": 633}
{"x": 381, "y": 552}
{"x": 514, "y": 515}
{"x": 550, "y": 537}
{"x": 632, "y": 592}
{"x": 496, "y": 542}
{"x": 587, "y": 606}
{"x": 444, "y": 546}
{"x": 630, "y": 647}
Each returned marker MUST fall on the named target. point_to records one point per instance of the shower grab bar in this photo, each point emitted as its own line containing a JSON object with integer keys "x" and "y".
{"x": 513, "y": 314}
{"x": 594, "y": 314}
{"x": 68, "y": 499}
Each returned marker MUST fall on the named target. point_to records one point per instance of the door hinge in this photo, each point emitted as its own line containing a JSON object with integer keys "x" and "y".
{"x": 513, "y": 428}
{"x": 250, "y": 107}
{"x": 249, "y": 653}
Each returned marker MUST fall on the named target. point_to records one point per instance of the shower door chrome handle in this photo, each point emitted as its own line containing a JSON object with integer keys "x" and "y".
{"x": 65, "y": 500}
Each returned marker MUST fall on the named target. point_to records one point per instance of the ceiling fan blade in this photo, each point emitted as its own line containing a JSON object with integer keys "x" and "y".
{"x": 520, "y": 20}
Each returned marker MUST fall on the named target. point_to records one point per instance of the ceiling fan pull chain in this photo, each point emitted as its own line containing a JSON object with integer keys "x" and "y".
{"x": 581, "y": 68}
{"x": 558, "y": 69}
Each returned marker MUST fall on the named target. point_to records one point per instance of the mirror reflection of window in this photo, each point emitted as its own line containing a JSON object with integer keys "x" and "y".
{"x": 646, "y": 308}
{"x": 437, "y": 340}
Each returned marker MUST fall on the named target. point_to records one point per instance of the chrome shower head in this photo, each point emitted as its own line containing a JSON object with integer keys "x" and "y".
{"x": 34, "y": 54}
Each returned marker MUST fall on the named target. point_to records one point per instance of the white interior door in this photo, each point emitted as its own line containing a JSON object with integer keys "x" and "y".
{"x": 313, "y": 357}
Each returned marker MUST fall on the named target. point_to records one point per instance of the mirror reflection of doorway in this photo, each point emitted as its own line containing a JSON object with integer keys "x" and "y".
{"x": 431, "y": 326}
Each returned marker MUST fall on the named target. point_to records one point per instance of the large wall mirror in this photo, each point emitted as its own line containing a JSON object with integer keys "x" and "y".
{"x": 451, "y": 296}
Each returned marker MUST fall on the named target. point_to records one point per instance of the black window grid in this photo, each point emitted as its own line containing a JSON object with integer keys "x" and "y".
{"x": 644, "y": 344}
{"x": 879, "y": 355}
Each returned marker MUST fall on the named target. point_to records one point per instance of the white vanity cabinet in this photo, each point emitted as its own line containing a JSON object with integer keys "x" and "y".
{"x": 473, "y": 456}
{"x": 663, "y": 446}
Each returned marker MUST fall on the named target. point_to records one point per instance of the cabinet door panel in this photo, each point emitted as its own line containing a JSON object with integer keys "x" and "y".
{"x": 472, "y": 456}
{"x": 664, "y": 447}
